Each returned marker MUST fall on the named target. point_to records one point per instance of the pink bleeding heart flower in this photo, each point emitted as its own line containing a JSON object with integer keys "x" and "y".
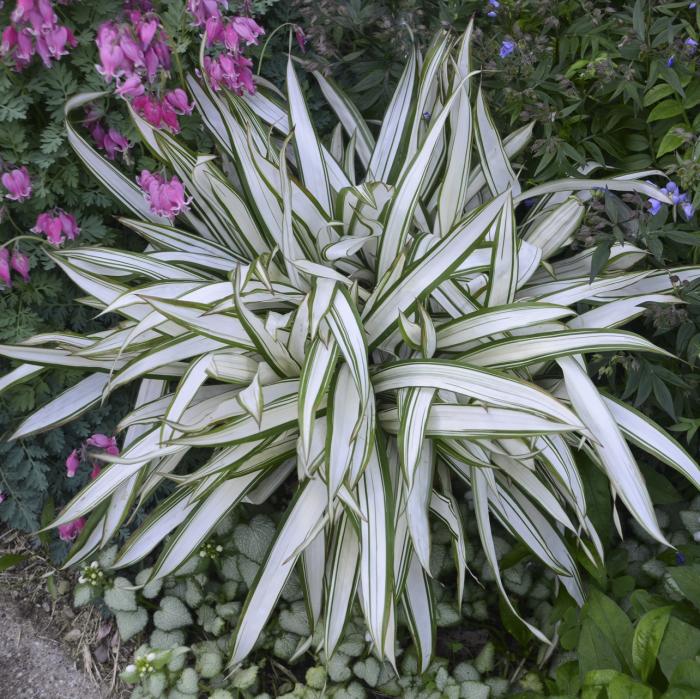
{"x": 43, "y": 50}
{"x": 45, "y": 11}
{"x": 247, "y": 29}
{"x": 98, "y": 133}
{"x": 231, "y": 71}
{"x": 42, "y": 222}
{"x": 9, "y": 40}
{"x": 111, "y": 61}
{"x": 130, "y": 87}
{"x": 102, "y": 441}
{"x": 162, "y": 50}
{"x": 68, "y": 224}
{"x": 25, "y": 48}
{"x": 301, "y": 38}
{"x": 3, "y": 497}
{"x": 107, "y": 34}
{"x": 169, "y": 117}
{"x": 96, "y": 470}
{"x": 72, "y": 463}
{"x": 20, "y": 264}
{"x": 166, "y": 198}
{"x": 245, "y": 74}
{"x": 146, "y": 31}
{"x": 56, "y": 41}
{"x": 132, "y": 51}
{"x": 229, "y": 67}
{"x": 148, "y": 180}
{"x": 51, "y": 227}
{"x": 5, "y": 274}
{"x": 70, "y": 531}
{"x": 149, "y": 108}
{"x": 22, "y": 10}
{"x": 114, "y": 143}
{"x": 152, "y": 63}
{"x": 58, "y": 227}
{"x": 35, "y": 29}
{"x": 174, "y": 192}
{"x": 231, "y": 38}
{"x": 214, "y": 28}
{"x": 177, "y": 99}
{"x": 202, "y": 10}
{"x": 215, "y": 75}
{"x": 17, "y": 183}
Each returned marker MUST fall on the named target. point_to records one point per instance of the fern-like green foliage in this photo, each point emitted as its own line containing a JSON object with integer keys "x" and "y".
{"x": 367, "y": 322}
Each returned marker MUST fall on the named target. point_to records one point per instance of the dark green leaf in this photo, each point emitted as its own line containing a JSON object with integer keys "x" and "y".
{"x": 647, "y": 639}
{"x": 670, "y": 141}
{"x": 685, "y": 681}
{"x": 600, "y": 257}
{"x": 624, "y": 687}
{"x": 688, "y": 580}
{"x": 594, "y": 650}
{"x": 665, "y": 110}
{"x": 657, "y": 93}
{"x": 613, "y": 624}
{"x": 681, "y": 642}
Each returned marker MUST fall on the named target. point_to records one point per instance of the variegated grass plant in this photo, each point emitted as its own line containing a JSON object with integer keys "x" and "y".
{"x": 371, "y": 320}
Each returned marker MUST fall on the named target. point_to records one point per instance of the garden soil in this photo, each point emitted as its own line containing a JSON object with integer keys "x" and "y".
{"x": 34, "y": 665}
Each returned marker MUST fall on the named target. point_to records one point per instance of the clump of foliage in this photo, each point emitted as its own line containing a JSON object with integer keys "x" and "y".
{"x": 368, "y": 323}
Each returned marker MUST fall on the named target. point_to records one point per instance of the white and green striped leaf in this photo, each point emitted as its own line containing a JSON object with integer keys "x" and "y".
{"x": 301, "y": 519}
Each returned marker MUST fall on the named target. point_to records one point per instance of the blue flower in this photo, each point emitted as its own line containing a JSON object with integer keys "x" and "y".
{"x": 691, "y": 45}
{"x": 427, "y": 115}
{"x": 688, "y": 210}
{"x": 671, "y": 61}
{"x": 494, "y": 3}
{"x": 675, "y": 194}
{"x": 654, "y": 206}
{"x": 507, "y": 47}
{"x": 692, "y": 5}
{"x": 491, "y": 14}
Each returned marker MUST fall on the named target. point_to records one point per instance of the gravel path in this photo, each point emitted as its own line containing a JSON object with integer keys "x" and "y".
{"x": 36, "y": 667}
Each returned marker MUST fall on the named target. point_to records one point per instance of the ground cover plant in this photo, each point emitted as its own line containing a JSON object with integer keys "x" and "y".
{"x": 638, "y": 626}
{"x": 365, "y": 325}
